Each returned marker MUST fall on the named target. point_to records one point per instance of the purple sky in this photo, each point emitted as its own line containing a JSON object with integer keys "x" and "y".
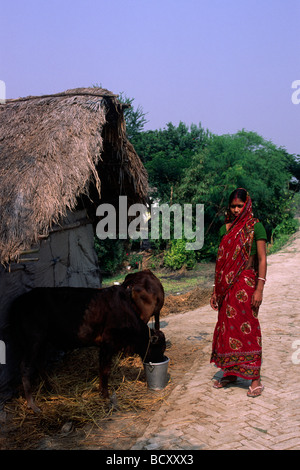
{"x": 228, "y": 64}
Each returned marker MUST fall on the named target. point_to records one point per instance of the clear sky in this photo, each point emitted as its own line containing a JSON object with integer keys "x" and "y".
{"x": 228, "y": 64}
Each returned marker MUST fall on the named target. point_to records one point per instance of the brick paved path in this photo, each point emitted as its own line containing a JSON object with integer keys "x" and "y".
{"x": 197, "y": 416}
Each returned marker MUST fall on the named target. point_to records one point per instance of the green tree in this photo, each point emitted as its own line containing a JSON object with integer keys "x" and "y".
{"x": 191, "y": 165}
{"x": 227, "y": 162}
{"x": 135, "y": 118}
{"x": 167, "y": 153}
{"x": 295, "y": 171}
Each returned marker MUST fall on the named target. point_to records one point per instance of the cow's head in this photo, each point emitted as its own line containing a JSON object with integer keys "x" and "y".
{"x": 157, "y": 346}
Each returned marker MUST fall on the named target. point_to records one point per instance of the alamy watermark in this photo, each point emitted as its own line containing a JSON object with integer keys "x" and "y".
{"x": 187, "y": 223}
{"x": 2, "y": 352}
{"x": 296, "y": 354}
{"x": 2, "y": 92}
{"x": 296, "y": 94}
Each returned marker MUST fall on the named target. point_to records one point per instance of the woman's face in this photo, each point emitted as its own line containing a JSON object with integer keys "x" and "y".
{"x": 236, "y": 206}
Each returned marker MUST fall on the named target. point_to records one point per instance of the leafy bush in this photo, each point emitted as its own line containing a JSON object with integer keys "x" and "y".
{"x": 177, "y": 256}
{"x": 287, "y": 227}
{"x": 134, "y": 260}
{"x": 111, "y": 254}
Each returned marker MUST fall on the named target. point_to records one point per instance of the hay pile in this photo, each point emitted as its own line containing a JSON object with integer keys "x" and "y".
{"x": 71, "y": 400}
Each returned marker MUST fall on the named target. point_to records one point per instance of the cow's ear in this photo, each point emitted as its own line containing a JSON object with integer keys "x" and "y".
{"x": 154, "y": 339}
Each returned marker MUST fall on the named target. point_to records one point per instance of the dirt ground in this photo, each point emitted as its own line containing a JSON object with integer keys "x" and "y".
{"x": 75, "y": 417}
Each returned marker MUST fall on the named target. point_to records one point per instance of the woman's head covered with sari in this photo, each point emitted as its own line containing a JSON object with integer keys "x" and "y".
{"x": 243, "y": 196}
{"x": 235, "y": 246}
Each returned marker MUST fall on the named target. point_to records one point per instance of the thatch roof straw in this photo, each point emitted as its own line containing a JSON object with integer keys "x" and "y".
{"x": 53, "y": 150}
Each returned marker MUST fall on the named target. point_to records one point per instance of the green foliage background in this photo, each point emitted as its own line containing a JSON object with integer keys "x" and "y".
{"x": 190, "y": 165}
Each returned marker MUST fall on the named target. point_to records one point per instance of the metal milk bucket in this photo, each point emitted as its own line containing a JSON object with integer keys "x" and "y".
{"x": 156, "y": 374}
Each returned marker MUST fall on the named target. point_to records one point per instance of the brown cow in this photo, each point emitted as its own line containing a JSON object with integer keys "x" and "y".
{"x": 67, "y": 318}
{"x": 147, "y": 293}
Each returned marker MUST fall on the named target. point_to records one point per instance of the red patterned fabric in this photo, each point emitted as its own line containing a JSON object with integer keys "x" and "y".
{"x": 237, "y": 337}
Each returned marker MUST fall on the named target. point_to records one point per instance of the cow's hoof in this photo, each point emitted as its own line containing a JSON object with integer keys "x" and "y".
{"x": 113, "y": 402}
{"x": 33, "y": 406}
{"x": 67, "y": 428}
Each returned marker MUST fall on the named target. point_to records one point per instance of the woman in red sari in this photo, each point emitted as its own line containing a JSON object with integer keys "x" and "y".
{"x": 238, "y": 291}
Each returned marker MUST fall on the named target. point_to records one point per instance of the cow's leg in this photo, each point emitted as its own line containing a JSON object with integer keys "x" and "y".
{"x": 156, "y": 323}
{"x": 32, "y": 363}
{"x": 27, "y": 373}
{"x": 105, "y": 360}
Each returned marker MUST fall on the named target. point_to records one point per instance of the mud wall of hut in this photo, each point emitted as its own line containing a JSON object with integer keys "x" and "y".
{"x": 66, "y": 257}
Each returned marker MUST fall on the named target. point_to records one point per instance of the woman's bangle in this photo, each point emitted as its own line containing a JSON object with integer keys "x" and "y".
{"x": 262, "y": 279}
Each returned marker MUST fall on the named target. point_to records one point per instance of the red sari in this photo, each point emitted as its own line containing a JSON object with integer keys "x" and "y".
{"x": 236, "y": 345}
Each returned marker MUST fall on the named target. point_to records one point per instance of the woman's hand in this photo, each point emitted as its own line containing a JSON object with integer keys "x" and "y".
{"x": 213, "y": 302}
{"x": 257, "y": 299}
{"x": 262, "y": 271}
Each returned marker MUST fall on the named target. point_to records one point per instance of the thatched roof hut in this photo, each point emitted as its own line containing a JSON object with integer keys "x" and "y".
{"x": 58, "y": 153}
{"x": 60, "y": 157}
